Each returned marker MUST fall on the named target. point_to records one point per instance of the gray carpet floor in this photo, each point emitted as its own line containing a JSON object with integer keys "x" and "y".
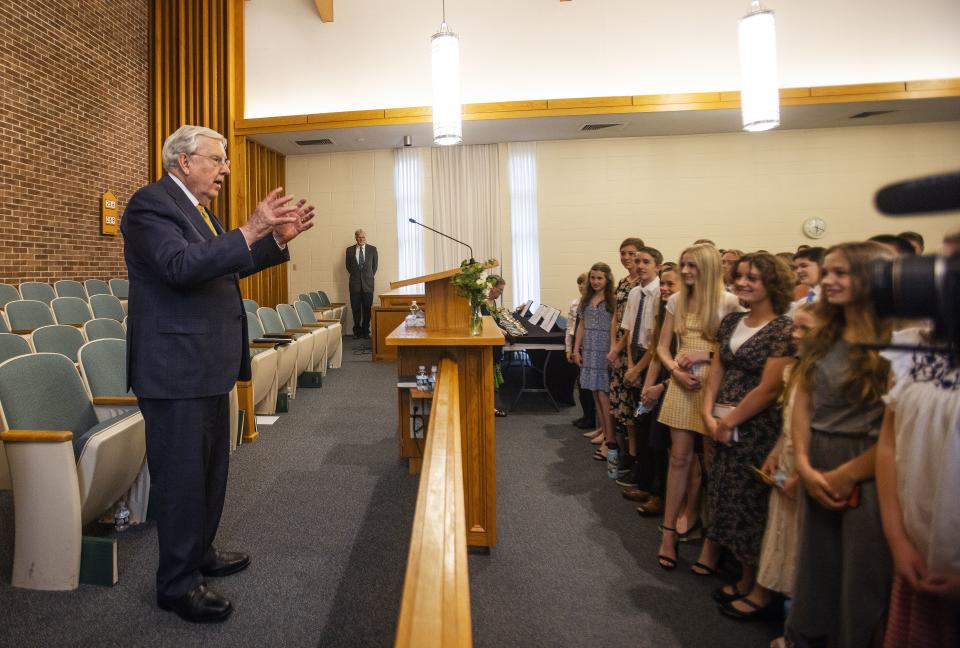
{"x": 323, "y": 505}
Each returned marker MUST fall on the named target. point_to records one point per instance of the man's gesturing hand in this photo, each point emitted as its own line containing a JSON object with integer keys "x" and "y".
{"x": 289, "y": 231}
{"x": 273, "y": 211}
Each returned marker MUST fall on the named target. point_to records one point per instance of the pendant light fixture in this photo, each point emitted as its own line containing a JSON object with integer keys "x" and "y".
{"x": 445, "y": 50}
{"x": 759, "y": 88}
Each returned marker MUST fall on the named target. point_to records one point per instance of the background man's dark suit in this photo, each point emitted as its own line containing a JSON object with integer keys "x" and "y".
{"x": 361, "y": 287}
{"x": 186, "y": 347}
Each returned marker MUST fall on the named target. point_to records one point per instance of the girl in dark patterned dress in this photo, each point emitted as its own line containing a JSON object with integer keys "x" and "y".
{"x": 744, "y": 418}
{"x": 622, "y": 403}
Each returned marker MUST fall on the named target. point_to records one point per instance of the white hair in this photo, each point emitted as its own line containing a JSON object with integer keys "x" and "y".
{"x": 184, "y": 140}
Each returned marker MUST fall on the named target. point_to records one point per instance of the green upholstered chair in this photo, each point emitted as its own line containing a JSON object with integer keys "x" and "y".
{"x": 103, "y": 327}
{"x": 67, "y": 468}
{"x": 58, "y": 338}
{"x": 301, "y": 348}
{"x": 107, "y": 306}
{"x": 334, "y": 333}
{"x": 12, "y": 346}
{"x": 37, "y": 291}
{"x": 96, "y": 287}
{"x": 70, "y": 288}
{"x": 120, "y": 288}
{"x": 71, "y": 310}
{"x": 25, "y": 315}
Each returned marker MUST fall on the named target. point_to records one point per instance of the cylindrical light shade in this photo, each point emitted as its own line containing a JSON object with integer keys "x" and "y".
{"x": 759, "y": 88}
{"x": 447, "y": 125}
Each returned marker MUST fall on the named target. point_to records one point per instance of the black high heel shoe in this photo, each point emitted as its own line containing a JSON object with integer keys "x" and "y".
{"x": 666, "y": 562}
{"x": 721, "y": 595}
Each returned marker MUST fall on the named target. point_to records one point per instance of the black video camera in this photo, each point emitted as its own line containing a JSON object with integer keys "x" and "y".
{"x": 922, "y": 287}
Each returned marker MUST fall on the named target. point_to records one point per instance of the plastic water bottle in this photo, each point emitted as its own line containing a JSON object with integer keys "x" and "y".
{"x": 423, "y": 382}
{"x": 433, "y": 377}
{"x": 121, "y": 517}
{"x": 613, "y": 458}
{"x": 421, "y": 318}
{"x": 415, "y": 318}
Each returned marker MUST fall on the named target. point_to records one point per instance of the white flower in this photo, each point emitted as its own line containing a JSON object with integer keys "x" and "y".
{"x": 481, "y": 282}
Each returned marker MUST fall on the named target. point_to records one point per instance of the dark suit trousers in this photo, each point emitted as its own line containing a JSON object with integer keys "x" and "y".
{"x": 360, "y": 305}
{"x": 188, "y": 448}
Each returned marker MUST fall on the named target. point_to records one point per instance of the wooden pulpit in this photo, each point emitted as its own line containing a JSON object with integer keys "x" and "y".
{"x": 447, "y": 335}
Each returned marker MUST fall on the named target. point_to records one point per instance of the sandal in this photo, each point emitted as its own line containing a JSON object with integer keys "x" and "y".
{"x": 599, "y": 456}
{"x": 666, "y": 562}
{"x": 700, "y": 569}
{"x": 597, "y": 440}
{"x": 592, "y": 434}
{"x": 693, "y": 533}
{"x": 721, "y": 595}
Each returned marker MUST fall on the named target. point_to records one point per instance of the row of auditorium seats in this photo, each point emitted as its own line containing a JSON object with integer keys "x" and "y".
{"x": 46, "y": 293}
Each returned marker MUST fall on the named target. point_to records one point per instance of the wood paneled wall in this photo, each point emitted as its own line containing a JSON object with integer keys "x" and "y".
{"x": 196, "y": 62}
{"x": 264, "y": 172}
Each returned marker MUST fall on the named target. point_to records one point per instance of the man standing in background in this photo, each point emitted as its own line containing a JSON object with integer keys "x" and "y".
{"x": 362, "y": 266}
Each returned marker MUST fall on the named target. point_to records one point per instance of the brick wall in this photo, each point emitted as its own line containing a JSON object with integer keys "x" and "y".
{"x": 73, "y": 124}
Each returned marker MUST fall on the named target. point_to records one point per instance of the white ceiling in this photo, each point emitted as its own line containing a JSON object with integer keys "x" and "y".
{"x": 633, "y": 125}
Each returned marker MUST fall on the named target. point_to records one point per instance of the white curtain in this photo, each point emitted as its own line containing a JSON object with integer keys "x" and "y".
{"x": 522, "y": 174}
{"x": 408, "y": 185}
{"x": 466, "y": 203}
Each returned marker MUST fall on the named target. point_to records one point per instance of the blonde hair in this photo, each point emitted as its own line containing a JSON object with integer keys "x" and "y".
{"x": 708, "y": 288}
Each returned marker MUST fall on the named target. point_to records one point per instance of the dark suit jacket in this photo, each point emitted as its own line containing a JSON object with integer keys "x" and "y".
{"x": 361, "y": 280}
{"x": 186, "y": 327}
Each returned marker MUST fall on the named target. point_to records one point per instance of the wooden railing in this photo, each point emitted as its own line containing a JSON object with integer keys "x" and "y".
{"x": 435, "y": 610}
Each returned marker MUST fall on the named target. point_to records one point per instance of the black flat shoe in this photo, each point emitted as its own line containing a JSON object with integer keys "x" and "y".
{"x": 227, "y": 562}
{"x": 199, "y": 605}
{"x": 721, "y": 595}
{"x": 772, "y": 610}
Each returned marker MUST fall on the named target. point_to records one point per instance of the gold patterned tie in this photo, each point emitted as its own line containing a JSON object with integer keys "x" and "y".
{"x": 206, "y": 218}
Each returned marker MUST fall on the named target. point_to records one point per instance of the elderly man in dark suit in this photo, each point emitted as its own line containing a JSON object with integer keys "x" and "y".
{"x": 187, "y": 347}
{"x": 361, "y": 261}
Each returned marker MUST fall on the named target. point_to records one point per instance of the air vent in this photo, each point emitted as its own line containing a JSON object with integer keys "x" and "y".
{"x": 872, "y": 113}
{"x": 593, "y": 127}
{"x": 325, "y": 141}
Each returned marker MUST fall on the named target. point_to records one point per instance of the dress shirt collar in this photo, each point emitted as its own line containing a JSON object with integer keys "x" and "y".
{"x": 193, "y": 199}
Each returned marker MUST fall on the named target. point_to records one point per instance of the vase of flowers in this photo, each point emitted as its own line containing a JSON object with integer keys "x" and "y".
{"x": 472, "y": 284}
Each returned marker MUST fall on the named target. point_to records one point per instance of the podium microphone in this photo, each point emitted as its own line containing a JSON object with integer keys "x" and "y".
{"x": 472, "y": 260}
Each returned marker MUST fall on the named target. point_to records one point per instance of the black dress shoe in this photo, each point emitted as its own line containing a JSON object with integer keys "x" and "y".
{"x": 584, "y": 424}
{"x": 227, "y": 562}
{"x": 199, "y": 605}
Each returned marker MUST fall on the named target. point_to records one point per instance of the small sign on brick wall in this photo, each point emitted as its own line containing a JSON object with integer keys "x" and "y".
{"x": 109, "y": 214}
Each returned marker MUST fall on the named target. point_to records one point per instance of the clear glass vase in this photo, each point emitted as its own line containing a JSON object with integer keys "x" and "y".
{"x": 476, "y": 320}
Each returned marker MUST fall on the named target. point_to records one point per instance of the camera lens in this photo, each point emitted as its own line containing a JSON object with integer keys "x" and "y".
{"x": 908, "y": 287}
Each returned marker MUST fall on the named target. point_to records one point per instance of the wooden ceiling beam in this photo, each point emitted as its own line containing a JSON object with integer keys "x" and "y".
{"x": 325, "y": 9}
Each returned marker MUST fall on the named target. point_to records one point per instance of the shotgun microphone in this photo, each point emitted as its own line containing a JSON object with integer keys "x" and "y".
{"x": 921, "y": 195}
{"x": 472, "y": 260}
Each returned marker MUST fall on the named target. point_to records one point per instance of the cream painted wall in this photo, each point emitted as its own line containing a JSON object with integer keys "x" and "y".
{"x": 376, "y": 54}
{"x": 743, "y": 190}
{"x": 740, "y": 190}
{"x": 350, "y": 191}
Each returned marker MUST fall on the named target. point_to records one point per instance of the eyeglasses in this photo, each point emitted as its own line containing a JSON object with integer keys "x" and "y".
{"x": 219, "y": 161}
